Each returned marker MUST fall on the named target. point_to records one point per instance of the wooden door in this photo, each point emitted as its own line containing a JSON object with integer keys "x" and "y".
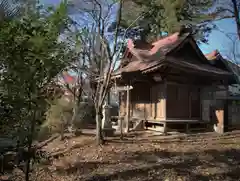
{"x": 195, "y": 103}
{"x": 172, "y": 106}
{"x": 183, "y": 102}
{"x": 160, "y": 108}
{"x": 177, "y": 102}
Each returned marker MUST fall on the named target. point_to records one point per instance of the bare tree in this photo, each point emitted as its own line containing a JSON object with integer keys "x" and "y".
{"x": 236, "y": 11}
{"x": 233, "y": 52}
{"x": 74, "y": 86}
{"x": 101, "y": 51}
{"x": 103, "y": 61}
{"x": 228, "y": 9}
{"x": 100, "y": 48}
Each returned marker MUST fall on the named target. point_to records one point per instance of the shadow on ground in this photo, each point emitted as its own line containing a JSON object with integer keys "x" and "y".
{"x": 138, "y": 137}
{"x": 163, "y": 165}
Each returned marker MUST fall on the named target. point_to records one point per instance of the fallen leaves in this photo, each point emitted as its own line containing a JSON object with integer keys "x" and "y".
{"x": 200, "y": 157}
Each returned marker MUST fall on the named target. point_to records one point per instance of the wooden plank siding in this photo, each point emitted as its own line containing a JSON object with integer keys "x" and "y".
{"x": 195, "y": 103}
{"x": 234, "y": 114}
{"x": 158, "y": 102}
{"x": 161, "y": 101}
{"x": 148, "y": 102}
{"x": 183, "y": 102}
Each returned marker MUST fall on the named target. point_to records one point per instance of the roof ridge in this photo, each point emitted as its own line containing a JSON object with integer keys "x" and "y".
{"x": 157, "y": 46}
{"x": 165, "y": 37}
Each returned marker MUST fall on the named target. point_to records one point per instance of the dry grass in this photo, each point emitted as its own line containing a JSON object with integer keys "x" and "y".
{"x": 143, "y": 157}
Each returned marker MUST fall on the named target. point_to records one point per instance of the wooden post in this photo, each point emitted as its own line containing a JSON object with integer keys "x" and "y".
{"x": 226, "y": 115}
{"x": 200, "y": 102}
{"x": 190, "y": 103}
{"x": 127, "y": 110}
{"x": 225, "y": 119}
{"x": 120, "y": 118}
{"x": 165, "y": 128}
{"x": 121, "y": 128}
{"x": 127, "y": 115}
{"x": 165, "y": 99}
{"x": 187, "y": 128}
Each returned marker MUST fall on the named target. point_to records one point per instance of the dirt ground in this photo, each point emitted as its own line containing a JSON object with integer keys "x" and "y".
{"x": 144, "y": 156}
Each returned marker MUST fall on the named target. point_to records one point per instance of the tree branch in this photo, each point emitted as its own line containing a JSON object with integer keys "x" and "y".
{"x": 119, "y": 16}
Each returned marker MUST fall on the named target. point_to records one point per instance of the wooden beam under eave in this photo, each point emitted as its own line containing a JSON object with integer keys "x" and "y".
{"x": 185, "y": 84}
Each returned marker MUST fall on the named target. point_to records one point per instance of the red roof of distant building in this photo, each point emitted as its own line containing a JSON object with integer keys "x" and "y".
{"x": 68, "y": 78}
{"x": 212, "y": 55}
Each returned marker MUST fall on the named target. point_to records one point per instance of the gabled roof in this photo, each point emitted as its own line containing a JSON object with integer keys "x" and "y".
{"x": 217, "y": 60}
{"x": 160, "y": 52}
{"x": 149, "y": 55}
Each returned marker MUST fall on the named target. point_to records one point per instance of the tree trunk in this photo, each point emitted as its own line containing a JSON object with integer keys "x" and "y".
{"x": 99, "y": 136}
{"x": 62, "y": 126}
{"x": 30, "y": 141}
{"x": 27, "y": 171}
{"x": 109, "y": 98}
{"x": 237, "y": 17}
{"x": 73, "y": 119}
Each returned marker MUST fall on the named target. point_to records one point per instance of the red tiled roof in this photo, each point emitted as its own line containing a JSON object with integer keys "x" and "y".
{"x": 154, "y": 57}
{"x": 137, "y": 66}
{"x": 164, "y": 42}
{"x": 158, "y": 48}
{"x": 151, "y": 54}
{"x": 146, "y": 66}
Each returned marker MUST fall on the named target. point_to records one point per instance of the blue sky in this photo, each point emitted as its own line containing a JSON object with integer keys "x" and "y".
{"x": 217, "y": 39}
{"x": 45, "y": 2}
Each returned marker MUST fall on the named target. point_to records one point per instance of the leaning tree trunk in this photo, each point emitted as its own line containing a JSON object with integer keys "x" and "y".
{"x": 62, "y": 126}
{"x": 72, "y": 128}
{"x": 99, "y": 136}
{"x": 29, "y": 145}
{"x": 73, "y": 119}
